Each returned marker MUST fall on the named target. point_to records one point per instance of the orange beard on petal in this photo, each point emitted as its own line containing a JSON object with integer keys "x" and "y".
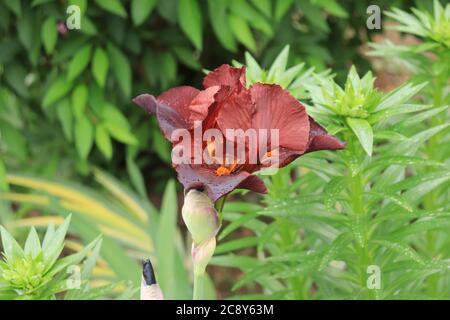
{"x": 225, "y": 171}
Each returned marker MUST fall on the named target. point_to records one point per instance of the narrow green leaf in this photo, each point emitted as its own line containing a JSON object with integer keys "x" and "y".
{"x": 79, "y": 62}
{"x": 100, "y": 66}
{"x": 279, "y": 65}
{"x": 84, "y": 136}
{"x": 399, "y": 96}
{"x": 121, "y": 68}
{"x": 219, "y": 20}
{"x": 136, "y": 177}
{"x": 75, "y": 258}
{"x": 385, "y": 161}
{"x": 253, "y": 71}
{"x": 333, "y": 7}
{"x": 332, "y": 190}
{"x": 281, "y": 7}
{"x": 165, "y": 246}
{"x": 363, "y": 132}
{"x": 141, "y": 9}
{"x": 79, "y": 100}
{"x": 3, "y": 183}
{"x": 103, "y": 141}
{"x": 236, "y": 224}
{"x": 64, "y": 113}
{"x": 396, "y": 110}
{"x": 55, "y": 245}
{"x": 190, "y": 20}
{"x": 48, "y": 235}
{"x": 14, "y": 6}
{"x": 265, "y": 6}
{"x": 58, "y": 89}
{"x": 235, "y": 261}
{"x": 11, "y": 249}
{"x": 32, "y": 244}
{"x": 404, "y": 250}
{"x": 113, "y": 6}
{"x": 120, "y": 133}
{"x": 49, "y": 34}
{"x": 236, "y": 244}
{"x": 186, "y": 56}
{"x": 242, "y": 32}
{"x": 394, "y": 198}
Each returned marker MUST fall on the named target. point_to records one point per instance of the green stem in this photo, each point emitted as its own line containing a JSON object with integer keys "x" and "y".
{"x": 433, "y": 150}
{"x": 359, "y": 212}
{"x": 199, "y": 286}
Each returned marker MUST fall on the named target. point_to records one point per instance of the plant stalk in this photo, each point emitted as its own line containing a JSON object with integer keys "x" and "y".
{"x": 199, "y": 286}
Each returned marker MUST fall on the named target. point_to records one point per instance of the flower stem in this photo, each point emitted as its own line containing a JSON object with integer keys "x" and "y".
{"x": 199, "y": 286}
{"x": 359, "y": 215}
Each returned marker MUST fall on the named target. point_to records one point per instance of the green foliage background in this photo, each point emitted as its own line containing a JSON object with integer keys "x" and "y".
{"x": 65, "y": 111}
{"x": 65, "y": 99}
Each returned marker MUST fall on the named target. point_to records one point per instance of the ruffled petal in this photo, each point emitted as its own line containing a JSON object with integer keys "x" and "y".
{"x": 199, "y": 106}
{"x": 226, "y": 75}
{"x": 253, "y": 183}
{"x": 276, "y": 108}
{"x": 216, "y": 187}
{"x": 319, "y": 139}
{"x": 236, "y": 112}
{"x": 179, "y": 99}
{"x": 171, "y": 108}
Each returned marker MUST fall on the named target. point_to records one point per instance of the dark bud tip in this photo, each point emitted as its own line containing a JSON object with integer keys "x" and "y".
{"x": 148, "y": 273}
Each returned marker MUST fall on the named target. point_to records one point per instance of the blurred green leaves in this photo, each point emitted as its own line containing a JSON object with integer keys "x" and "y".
{"x": 141, "y": 9}
{"x": 84, "y": 136}
{"x": 190, "y": 19}
{"x": 122, "y": 49}
{"x": 49, "y": 34}
{"x": 100, "y": 65}
{"x": 79, "y": 62}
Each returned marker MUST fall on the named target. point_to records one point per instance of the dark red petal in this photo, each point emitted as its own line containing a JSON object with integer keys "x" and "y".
{"x": 236, "y": 112}
{"x": 253, "y": 183}
{"x": 146, "y": 102}
{"x": 179, "y": 98}
{"x": 319, "y": 139}
{"x": 200, "y": 104}
{"x": 226, "y": 75}
{"x": 216, "y": 187}
{"x": 276, "y": 108}
{"x": 169, "y": 120}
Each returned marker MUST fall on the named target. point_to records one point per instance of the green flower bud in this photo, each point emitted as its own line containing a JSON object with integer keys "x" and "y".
{"x": 200, "y": 216}
{"x": 201, "y": 255}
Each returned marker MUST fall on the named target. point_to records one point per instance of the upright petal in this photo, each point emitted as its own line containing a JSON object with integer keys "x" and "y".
{"x": 179, "y": 99}
{"x": 199, "y": 106}
{"x": 276, "y": 108}
{"x": 226, "y": 75}
{"x": 236, "y": 112}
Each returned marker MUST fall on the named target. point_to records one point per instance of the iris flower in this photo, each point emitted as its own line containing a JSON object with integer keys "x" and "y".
{"x": 226, "y": 103}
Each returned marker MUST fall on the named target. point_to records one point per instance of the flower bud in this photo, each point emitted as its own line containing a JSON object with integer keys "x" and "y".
{"x": 201, "y": 255}
{"x": 200, "y": 216}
